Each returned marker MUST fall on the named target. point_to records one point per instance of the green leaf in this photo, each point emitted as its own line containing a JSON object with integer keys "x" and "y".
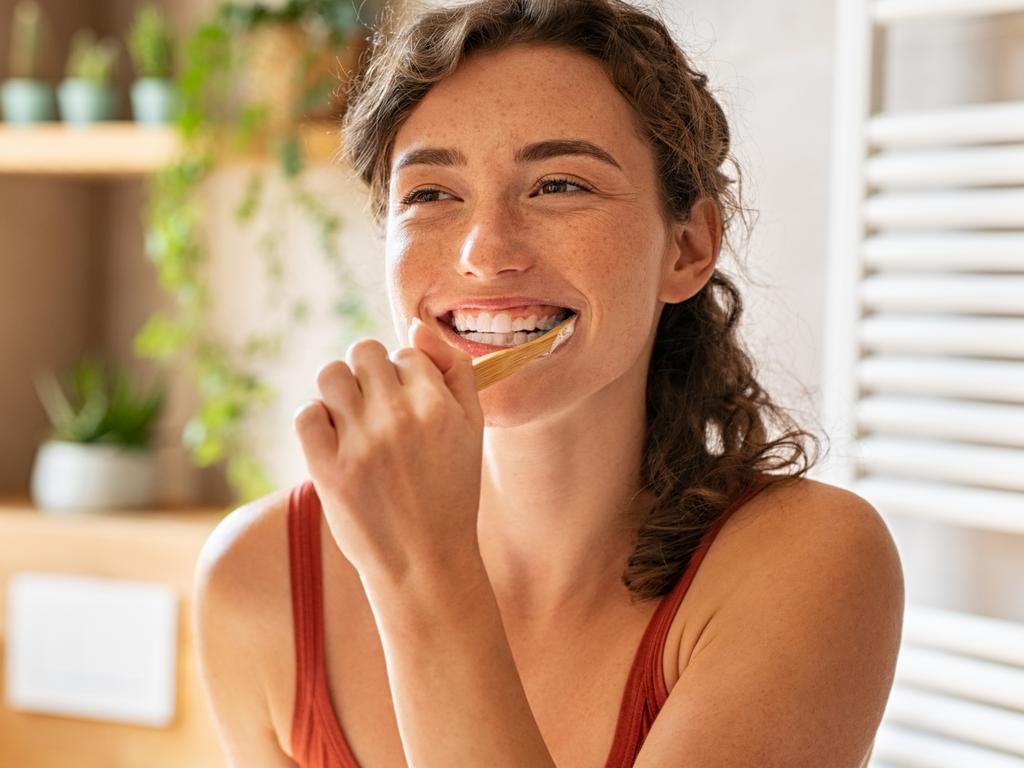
{"x": 290, "y": 156}
{"x": 160, "y": 338}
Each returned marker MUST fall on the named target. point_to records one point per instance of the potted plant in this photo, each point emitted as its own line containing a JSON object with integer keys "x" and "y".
{"x": 27, "y": 98}
{"x": 295, "y": 54}
{"x": 86, "y": 95}
{"x": 98, "y": 455}
{"x": 151, "y": 45}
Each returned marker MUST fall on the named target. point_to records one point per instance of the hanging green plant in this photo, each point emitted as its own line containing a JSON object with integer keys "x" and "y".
{"x": 214, "y": 120}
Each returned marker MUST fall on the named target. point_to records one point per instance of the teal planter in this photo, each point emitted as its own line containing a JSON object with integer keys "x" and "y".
{"x": 153, "y": 100}
{"x": 82, "y": 101}
{"x": 27, "y": 101}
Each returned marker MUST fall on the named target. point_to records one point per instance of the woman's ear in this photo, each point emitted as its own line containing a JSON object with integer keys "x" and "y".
{"x": 692, "y": 252}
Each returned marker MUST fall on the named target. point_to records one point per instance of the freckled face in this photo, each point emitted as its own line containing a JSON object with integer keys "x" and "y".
{"x": 570, "y": 227}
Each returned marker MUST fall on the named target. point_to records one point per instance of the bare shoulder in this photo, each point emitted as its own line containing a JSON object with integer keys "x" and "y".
{"x": 802, "y": 523}
{"x": 243, "y": 550}
{"x": 241, "y": 617}
{"x": 822, "y": 545}
{"x": 796, "y": 636}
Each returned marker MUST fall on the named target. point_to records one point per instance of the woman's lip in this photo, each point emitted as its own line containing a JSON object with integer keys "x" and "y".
{"x": 476, "y": 349}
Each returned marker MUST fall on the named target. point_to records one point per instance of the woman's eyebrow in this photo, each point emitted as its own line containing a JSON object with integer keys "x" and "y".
{"x": 540, "y": 150}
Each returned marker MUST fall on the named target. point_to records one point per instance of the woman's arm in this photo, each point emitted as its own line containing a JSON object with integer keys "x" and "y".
{"x": 457, "y": 693}
{"x": 229, "y": 662}
{"x": 794, "y": 669}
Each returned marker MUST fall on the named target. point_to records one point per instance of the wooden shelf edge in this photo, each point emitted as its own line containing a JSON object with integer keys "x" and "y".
{"x": 123, "y": 149}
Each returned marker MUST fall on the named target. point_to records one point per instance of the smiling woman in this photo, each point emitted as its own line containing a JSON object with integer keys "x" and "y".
{"x": 524, "y": 575}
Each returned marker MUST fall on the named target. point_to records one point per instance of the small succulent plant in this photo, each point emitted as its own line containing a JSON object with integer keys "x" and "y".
{"x": 151, "y": 43}
{"x": 104, "y": 406}
{"x": 91, "y": 59}
{"x": 27, "y": 39}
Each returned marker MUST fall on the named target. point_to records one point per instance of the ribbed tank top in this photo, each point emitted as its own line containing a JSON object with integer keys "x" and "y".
{"x": 317, "y": 739}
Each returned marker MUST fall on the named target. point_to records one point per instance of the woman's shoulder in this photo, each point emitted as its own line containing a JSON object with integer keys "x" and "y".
{"x": 243, "y": 551}
{"x": 818, "y": 547}
{"x": 803, "y": 509}
{"x": 803, "y": 527}
{"x": 796, "y": 626}
{"x": 242, "y": 576}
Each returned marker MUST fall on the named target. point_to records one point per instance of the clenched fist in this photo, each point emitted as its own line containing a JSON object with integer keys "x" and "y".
{"x": 394, "y": 448}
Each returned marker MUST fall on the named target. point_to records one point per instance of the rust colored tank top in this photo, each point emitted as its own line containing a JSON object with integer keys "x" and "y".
{"x": 317, "y": 739}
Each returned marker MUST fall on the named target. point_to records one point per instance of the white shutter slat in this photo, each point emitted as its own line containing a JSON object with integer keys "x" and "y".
{"x": 913, "y": 749}
{"x": 987, "y": 726}
{"x": 982, "y": 209}
{"x": 946, "y": 419}
{"x": 978, "y": 508}
{"x": 989, "y": 166}
{"x": 968, "y": 124}
{"x": 971, "y": 294}
{"x": 998, "y": 468}
{"x": 979, "y": 636}
{"x": 972, "y": 337}
{"x": 950, "y": 377}
{"x": 951, "y": 674}
{"x": 952, "y": 251}
{"x": 901, "y": 10}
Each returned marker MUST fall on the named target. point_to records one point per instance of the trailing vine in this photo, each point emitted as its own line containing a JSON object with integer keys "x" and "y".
{"x": 211, "y": 122}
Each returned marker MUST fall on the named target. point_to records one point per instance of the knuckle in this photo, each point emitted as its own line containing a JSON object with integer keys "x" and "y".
{"x": 432, "y": 406}
{"x": 403, "y": 354}
{"x": 363, "y": 347}
{"x": 400, "y": 411}
{"x": 329, "y": 371}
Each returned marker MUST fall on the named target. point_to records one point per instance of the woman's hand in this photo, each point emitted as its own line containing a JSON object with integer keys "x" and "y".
{"x": 394, "y": 449}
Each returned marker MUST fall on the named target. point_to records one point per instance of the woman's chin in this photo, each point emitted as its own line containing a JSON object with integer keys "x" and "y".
{"x": 512, "y": 404}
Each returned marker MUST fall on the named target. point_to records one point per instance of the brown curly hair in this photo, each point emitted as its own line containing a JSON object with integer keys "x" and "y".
{"x": 707, "y": 435}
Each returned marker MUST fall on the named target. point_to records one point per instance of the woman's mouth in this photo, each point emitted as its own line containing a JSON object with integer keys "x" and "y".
{"x": 478, "y": 343}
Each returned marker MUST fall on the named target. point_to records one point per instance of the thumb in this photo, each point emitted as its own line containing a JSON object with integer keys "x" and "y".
{"x": 455, "y": 365}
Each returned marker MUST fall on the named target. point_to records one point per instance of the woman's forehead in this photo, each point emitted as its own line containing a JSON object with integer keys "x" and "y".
{"x": 516, "y": 96}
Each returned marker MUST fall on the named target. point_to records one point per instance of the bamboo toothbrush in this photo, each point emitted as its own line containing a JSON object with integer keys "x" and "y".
{"x": 492, "y": 368}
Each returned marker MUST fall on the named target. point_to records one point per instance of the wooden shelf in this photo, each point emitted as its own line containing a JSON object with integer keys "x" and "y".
{"x": 19, "y": 507}
{"x": 121, "y": 149}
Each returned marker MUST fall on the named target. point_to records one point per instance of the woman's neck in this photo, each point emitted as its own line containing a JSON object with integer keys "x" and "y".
{"x": 557, "y": 514}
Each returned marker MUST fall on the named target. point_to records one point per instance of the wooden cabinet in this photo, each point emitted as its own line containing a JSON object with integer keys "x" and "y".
{"x": 155, "y": 546}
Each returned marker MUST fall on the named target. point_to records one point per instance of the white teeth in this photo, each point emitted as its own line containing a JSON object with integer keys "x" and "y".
{"x": 503, "y": 322}
{"x": 502, "y": 339}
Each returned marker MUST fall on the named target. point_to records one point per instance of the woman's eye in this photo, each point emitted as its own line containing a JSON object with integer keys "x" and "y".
{"x": 416, "y": 196}
{"x": 562, "y": 183}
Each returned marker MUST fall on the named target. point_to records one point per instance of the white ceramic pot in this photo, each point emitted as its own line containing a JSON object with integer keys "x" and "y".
{"x": 69, "y": 477}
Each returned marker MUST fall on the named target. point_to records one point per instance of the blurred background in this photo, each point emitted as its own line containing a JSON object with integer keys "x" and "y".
{"x": 181, "y": 252}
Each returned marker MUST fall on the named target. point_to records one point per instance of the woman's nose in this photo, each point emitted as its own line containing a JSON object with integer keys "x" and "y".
{"x": 493, "y": 244}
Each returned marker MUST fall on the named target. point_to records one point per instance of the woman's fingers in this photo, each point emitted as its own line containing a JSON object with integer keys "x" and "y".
{"x": 368, "y": 359}
{"x": 340, "y": 391}
{"x": 373, "y": 381}
{"x": 413, "y": 365}
{"x": 317, "y": 436}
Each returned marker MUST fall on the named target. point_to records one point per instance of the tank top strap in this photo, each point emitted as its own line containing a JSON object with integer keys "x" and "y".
{"x": 316, "y": 737}
{"x": 646, "y": 692}
{"x": 669, "y": 607}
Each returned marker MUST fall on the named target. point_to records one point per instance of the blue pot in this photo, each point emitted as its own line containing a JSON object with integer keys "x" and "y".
{"x": 153, "y": 100}
{"x": 82, "y": 101}
{"x": 27, "y": 101}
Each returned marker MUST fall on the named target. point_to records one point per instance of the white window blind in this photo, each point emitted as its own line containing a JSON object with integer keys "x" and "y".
{"x": 923, "y": 386}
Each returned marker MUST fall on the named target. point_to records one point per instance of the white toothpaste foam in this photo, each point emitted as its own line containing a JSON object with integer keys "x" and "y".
{"x": 563, "y": 335}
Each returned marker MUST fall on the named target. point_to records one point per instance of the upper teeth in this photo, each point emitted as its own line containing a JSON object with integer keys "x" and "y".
{"x": 503, "y": 322}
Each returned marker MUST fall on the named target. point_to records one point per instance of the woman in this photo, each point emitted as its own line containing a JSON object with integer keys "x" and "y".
{"x": 524, "y": 576}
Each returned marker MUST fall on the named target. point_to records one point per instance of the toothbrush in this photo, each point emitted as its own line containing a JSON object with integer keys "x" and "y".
{"x": 491, "y": 368}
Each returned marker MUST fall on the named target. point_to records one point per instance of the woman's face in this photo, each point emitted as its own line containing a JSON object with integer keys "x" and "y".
{"x": 489, "y": 217}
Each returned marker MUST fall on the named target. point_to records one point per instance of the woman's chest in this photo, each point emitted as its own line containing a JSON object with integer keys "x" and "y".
{"x": 574, "y": 682}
